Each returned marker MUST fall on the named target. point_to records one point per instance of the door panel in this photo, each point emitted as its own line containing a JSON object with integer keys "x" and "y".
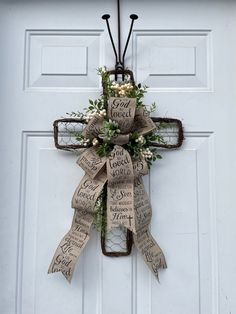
{"x": 185, "y": 53}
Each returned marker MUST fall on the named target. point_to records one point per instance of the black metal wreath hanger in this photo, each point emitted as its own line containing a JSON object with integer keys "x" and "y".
{"x": 120, "y": 61}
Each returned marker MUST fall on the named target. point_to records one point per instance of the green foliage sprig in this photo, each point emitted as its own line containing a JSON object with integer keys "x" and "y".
{"x": 109, "y": 130}
{"x": 100, "y": 212}
{"x": 76, "y": 114}
{"x": 104, "y": 149}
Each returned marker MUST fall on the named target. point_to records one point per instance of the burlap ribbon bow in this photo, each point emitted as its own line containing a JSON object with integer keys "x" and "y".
{"x": 127, "y": 201}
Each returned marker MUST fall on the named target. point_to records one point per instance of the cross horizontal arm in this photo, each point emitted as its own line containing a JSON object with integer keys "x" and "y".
{"x": 65, "y": 140}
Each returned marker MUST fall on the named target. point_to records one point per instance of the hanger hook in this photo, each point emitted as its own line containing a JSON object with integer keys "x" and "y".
{"x": 106, "y": 18}
{"x": 133, "y": 18}
{"x": 119, "y": 62}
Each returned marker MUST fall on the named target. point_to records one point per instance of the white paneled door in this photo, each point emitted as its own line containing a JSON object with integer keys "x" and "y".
{"x": 185, "y": 52}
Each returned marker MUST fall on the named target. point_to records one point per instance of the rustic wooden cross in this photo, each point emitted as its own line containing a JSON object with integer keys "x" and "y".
{"x": 64, "y": 140}
{"x": 119, "y": 71}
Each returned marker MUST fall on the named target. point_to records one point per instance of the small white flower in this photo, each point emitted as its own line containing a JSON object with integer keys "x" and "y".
{"x": 103, "y": 70}
{"x": 103, "y": 112}
{"x": 146, "y": 153}
{"x": 140, "y": 139}
{"x": 95, "y": 142}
